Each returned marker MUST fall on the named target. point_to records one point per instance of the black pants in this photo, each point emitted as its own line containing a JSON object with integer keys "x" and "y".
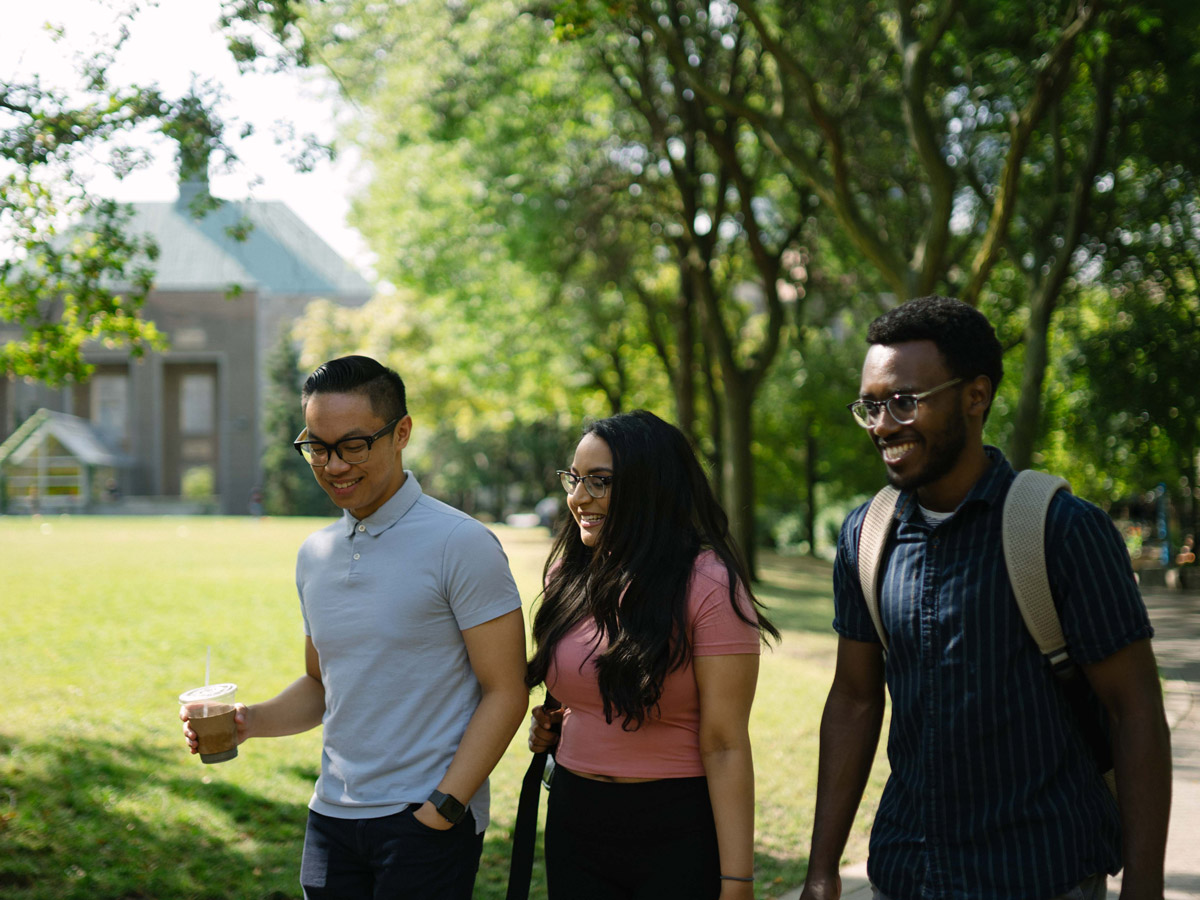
{"x": 650, "y": 841}
{"x": 392, "y": 857}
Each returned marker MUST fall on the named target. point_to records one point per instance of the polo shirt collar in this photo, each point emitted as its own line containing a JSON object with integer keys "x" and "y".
{"x": 989, "y": 490}
{"x": 390, "y": 513}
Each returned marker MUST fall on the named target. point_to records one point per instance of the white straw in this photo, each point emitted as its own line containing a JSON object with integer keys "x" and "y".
{"x": 207, "y": 663}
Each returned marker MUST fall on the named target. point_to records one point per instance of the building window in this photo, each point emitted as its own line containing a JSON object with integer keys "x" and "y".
{"x": 110, "y": 408}
{"x": 197, "y": 405}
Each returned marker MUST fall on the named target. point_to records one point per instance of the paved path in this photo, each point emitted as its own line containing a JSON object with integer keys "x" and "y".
{"x": 1176, "y": 619}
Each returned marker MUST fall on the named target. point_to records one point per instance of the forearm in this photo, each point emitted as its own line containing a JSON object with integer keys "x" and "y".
{"x": 730, "y": 774}
{"x": 298, "y": 707}
{"x": 849, "y": 737}
{"x": 491, "y": 728}
{"x": 1142, "y": 760}
{"x": 1127, "y": 683}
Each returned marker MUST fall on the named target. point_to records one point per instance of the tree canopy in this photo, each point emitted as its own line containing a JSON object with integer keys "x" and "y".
{"x": 718, "y": 185}
{"x": 585, "y": 206}
{"x": 72, "y": 271}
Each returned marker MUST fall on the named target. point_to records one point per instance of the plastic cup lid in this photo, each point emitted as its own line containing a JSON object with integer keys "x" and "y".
{"x": 208, "y": 692}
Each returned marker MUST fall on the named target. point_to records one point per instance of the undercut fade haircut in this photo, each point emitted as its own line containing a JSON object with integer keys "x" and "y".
{"x": 963, "y": 335}
{"x": 360, "y": 375}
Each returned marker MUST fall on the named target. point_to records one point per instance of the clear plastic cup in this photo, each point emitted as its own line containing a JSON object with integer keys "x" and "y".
{"x": 210, "y": 714}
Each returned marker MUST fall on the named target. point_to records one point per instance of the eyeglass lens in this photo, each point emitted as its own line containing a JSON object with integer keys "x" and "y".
{"x": 355, "y": 451}
{"x": 595, "y": 485}
{"x": 902, "y": 408}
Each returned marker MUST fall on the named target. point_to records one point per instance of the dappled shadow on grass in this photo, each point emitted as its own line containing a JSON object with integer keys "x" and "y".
{"x": 97, "y": 820}
{"x": 798, "y": 592}
{"x": 84, "y": 819}
{"x": 306, "y": 773}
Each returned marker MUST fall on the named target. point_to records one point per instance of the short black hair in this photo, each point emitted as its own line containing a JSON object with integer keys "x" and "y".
{"x": 963, "y": 335}
{"x": 360, "y": 375}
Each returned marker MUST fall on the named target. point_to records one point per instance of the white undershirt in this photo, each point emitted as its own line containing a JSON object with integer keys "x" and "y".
{"x": 934, "y": 518}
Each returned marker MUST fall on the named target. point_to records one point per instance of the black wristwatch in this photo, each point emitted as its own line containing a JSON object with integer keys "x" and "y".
{"x": 448, "y": 807}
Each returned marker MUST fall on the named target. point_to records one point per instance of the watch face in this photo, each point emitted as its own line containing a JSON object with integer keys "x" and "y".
{"x": 448, "y": 807}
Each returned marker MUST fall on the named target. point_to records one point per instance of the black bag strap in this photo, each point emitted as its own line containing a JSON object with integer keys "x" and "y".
{"x": 524, "y": 838}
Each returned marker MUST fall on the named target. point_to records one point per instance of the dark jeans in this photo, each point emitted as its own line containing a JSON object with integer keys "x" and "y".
{"x": 650, "y": 841}
{"x": 393, "y": 857}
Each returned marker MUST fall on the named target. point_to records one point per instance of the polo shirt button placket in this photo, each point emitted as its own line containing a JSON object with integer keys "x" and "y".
{"x": 355, "y": 556}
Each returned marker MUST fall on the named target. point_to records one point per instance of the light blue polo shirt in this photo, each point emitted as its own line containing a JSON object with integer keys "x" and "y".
{"x": 385, "y": 601}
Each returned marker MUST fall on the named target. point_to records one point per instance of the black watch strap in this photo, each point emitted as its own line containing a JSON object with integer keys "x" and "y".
{"x": 448, "y": 807}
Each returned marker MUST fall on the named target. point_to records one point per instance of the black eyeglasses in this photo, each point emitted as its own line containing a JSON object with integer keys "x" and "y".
{"x": 595, "y": 485}
{"x": 350, "y": 450}
{"x": 901, "y": 407}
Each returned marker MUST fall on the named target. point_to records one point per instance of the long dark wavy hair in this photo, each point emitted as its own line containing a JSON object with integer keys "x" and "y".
{"x": 661, "y": 515}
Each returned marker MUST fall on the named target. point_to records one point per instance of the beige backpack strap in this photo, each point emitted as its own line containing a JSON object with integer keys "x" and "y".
{"x": 1024, "y": 538}
{"x": 872, "y": 540}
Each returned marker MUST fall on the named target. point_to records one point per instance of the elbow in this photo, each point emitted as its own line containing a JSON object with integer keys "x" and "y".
{"x": 725, "y": 743}
{"x": 510, "y": 698}
{"x": 859, "y": 703}
{"x": 1143, "y": 727}
{"x": 732, "y": 759}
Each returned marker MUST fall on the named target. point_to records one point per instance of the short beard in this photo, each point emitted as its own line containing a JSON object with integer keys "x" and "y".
{"x": 944, "y": 448}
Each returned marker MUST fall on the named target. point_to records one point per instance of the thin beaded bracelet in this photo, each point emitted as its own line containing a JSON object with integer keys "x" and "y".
{"x": 736, "y": 878}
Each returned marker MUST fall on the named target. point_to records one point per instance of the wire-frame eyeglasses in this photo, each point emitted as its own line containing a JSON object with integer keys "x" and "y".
{"x": 901, "y": 407}
{"x": 596, "y": 485}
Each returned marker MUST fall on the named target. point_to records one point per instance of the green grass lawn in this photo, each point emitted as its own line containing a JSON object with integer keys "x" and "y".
{"x": 104, "y": 621}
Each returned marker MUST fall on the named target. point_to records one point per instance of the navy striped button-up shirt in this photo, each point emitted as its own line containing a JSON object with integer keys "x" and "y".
{"x": 992, "y": 792}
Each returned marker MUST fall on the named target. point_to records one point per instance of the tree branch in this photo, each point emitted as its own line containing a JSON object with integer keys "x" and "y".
{"x": 930, "y": 254}
{"x": 1049, "y": 83}
{"x": 838, "y": 192}
{"x": 1043, "y": 303}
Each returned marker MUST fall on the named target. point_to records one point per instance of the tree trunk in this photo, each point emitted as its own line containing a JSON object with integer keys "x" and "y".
{"x": 1047, "y": 295}
{"x": 1033, "y": 375}
{"x": 810, "y": 482}
{"x": 716, "y": 424}
{"x": 685, "y": 378}
{"x": 739, "y": 467}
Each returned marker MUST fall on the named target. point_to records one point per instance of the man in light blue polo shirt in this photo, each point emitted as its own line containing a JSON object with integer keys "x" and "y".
{"x": 415, "y": 658}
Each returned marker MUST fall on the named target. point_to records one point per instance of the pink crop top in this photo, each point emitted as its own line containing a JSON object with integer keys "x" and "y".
{"x": 667, "y": 745}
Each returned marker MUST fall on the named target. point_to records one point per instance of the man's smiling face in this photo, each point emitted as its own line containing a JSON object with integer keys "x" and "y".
{"x": 927, "y": 450}
{"x": 359, "y": 487}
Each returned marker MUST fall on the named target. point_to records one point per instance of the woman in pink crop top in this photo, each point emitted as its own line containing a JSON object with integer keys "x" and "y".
{"x": 649, "y": 637}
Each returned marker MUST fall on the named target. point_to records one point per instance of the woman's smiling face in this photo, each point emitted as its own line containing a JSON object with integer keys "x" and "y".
{"x": 592, "y": 457}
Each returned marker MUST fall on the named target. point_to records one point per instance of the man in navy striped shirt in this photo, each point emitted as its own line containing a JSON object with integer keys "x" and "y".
{"x": 993, "y": 793}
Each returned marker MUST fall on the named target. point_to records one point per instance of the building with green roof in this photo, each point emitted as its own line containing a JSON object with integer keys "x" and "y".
{"x": 228, "y": 282}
